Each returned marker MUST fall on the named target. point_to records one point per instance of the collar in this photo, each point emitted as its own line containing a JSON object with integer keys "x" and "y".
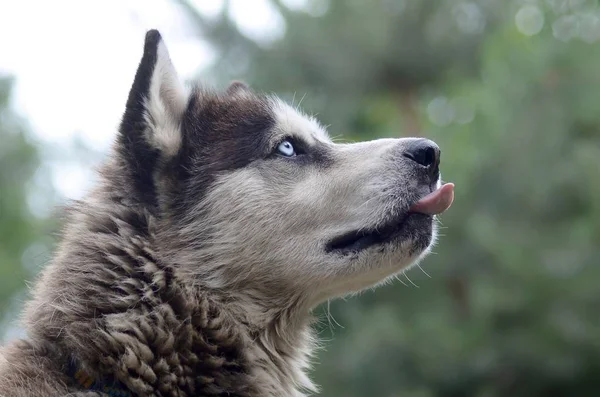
{"x": 86, "y": 381}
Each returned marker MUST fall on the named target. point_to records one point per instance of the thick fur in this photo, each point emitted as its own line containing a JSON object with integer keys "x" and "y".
{"x": 192, "y": 267}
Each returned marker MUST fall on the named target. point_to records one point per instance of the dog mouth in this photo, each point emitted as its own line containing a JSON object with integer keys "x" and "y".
{"x": 358, "y": 240}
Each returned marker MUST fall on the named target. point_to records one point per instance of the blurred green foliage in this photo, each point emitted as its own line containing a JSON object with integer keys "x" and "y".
{"x": 18, "y": 227}
{"x": 510, "y": 92}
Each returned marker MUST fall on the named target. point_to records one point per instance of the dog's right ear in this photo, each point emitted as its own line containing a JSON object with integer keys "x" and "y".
{"x": 150, "y": 128}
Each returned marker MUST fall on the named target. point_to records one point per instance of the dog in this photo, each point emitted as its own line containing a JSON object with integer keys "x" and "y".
{"x": 219, "y": 221}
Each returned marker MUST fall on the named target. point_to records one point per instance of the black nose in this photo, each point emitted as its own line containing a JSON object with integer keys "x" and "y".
{"x": 425, "y": 153}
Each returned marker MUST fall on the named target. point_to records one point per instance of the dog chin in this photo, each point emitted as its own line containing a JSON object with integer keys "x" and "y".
{"x": 419, "y": 230}
{"x": 371, "y": 266}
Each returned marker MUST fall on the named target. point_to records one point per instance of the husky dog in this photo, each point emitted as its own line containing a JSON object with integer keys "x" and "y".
{"x": 220, "y": 220}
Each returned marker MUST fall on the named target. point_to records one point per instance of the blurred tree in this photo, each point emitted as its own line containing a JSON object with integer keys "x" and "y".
{"x": 354, "y": 51}
{"x": 19, "y": 228}
{"x": 509, "y": 91}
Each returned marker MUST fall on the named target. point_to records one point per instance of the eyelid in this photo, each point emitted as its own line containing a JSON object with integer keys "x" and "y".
{"x": 299, "y": 145}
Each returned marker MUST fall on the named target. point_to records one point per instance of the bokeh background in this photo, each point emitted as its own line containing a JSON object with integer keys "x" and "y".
{"x": 509, "y": 304}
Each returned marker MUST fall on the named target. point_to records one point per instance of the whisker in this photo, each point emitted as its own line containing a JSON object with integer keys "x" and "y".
{"x": 397, "y": 277}
{"x": 423, "y": 270}
{"x": 330, "y": 316}
{"x": 301, "y": 99}
{"x": 409, "y": 280}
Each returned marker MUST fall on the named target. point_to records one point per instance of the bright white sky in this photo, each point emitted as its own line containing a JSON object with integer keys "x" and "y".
{"x": 74, "y": 62}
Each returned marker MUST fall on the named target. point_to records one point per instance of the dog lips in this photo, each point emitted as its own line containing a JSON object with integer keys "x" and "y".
{"x": 435, "y": 202}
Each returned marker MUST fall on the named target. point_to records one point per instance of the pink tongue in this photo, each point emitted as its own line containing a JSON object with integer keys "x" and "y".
{"x": 435, "y": 202}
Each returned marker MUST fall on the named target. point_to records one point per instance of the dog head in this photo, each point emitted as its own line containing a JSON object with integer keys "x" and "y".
{"x": 249, "y": 193}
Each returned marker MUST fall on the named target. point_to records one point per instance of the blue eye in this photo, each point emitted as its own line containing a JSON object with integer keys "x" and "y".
{"x": 286, "y": 149}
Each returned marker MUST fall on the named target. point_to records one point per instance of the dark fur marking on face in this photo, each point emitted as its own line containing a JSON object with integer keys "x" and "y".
{"x": 323, "y": 156}
{"x": 220, "y": 133}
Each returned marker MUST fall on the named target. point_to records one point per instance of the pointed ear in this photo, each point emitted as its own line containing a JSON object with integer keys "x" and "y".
{"x": 150, "y": 131}
{"x": 238, "y": 88}
{"x": 156, "y": 102}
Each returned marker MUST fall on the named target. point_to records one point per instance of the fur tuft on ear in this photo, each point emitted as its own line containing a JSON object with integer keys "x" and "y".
{"x": 150, "y": 127}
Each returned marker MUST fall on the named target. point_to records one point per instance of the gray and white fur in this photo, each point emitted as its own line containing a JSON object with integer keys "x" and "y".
{"x": 192, "y": 267}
